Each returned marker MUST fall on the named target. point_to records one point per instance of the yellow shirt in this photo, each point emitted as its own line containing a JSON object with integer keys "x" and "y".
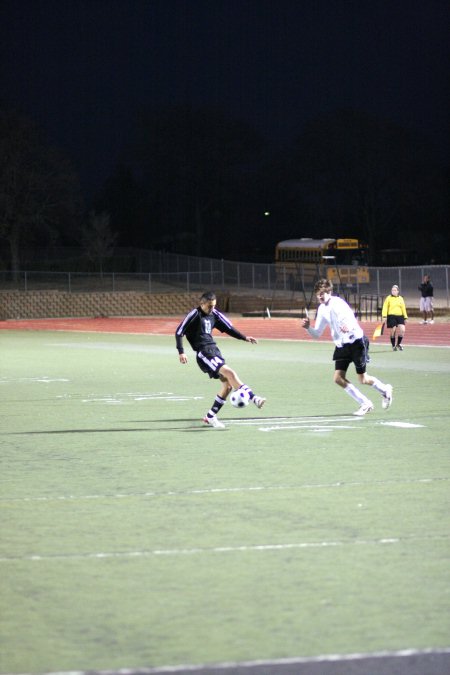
{"x": 394, "y": 304}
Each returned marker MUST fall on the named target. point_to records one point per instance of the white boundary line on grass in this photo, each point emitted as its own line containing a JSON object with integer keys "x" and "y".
{"x": 221, "y": 549}
{"x": 317, "y": 423}
{"x": 225, "y": 490}
{"x": 227, "y": 665}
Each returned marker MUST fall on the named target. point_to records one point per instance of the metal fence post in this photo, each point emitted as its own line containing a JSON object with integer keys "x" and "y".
{"x": 232, "y": 274}
{"x": 446, "y": 284}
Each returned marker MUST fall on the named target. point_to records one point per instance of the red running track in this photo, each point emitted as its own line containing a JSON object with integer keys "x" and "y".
{"x": 437, "y": 335}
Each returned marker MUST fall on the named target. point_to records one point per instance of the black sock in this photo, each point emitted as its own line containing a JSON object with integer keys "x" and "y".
{"x": 399, "y": 340}
{"x": 393, "y": 341}
{"x": 216, "y": 406}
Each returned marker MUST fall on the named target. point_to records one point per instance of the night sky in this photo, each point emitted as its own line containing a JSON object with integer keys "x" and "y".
{"x": 84, "y": 68}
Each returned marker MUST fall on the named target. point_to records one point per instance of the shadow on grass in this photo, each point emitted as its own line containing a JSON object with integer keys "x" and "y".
{"x": 194, "y": 425}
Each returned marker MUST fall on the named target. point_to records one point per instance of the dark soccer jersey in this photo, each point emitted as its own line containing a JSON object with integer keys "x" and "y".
{"x": 426, "y": 289}
{"x": 198, "y": 326}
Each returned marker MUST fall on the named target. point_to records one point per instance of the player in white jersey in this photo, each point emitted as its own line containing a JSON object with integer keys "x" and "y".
{"x": 351, "y": 346}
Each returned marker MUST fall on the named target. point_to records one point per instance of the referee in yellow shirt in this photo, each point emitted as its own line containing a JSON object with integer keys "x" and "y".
{"x": 394, "y": 313}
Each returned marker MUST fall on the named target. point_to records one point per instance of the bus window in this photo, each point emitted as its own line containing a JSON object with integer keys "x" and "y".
{"x": 341, "y": 260}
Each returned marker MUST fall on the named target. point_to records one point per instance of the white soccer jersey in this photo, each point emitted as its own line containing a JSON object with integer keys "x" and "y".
{"x": 337, "y": 314}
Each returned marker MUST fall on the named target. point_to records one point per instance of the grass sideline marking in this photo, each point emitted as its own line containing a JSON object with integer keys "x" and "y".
{"x": 288, "y": 661}
{"x": 43, "y": 379}
{"x": 126, "y": 397}
{"x": 245, "y": 548}
{"x": 314, "y": 424}
{"x": 317, "y": 423}
{"x": 225, "y": 490}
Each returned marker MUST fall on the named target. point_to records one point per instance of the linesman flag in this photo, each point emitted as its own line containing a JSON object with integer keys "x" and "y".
{"x": 379, "y": 330}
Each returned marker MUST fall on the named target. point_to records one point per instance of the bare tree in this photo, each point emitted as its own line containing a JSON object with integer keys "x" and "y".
{"x": 98, "y": 239}
{"x": 364, "y": 176}
{"x": 192, "y": 162}
{"x": 39, "y": 192}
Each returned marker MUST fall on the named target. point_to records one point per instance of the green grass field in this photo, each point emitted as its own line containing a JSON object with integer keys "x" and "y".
{"x": 134, "y": 537}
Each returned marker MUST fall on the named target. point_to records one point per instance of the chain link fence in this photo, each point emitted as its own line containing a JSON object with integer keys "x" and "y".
{"x": 168, "y": 273}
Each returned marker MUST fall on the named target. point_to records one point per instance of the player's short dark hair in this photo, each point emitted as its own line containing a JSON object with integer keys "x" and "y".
{"x": 208, "y": 295}
{"x": 323, "y": 285}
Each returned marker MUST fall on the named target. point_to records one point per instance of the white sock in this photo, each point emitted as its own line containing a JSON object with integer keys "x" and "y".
{"x": 379, "y": 386}
{"x": 352, "y": 391}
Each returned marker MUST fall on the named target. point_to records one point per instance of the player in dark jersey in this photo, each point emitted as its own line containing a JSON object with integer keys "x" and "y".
{"x": 197, "y": 326}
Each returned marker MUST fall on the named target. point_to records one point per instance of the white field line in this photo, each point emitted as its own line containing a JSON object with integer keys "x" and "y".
{"x": 316, "y": 424}
{"x": 43, "y": 379}
{"x": 219, "y": 337}
{"x": 330, "y": 342}
{"x": 260, "y": 339}
{"x": 307, "y": 421}
{"x": 334, "y": 427}
{"x": 224, "y": 490}
{"x": 245, "y": 548}
{"x": 228, "y": 665}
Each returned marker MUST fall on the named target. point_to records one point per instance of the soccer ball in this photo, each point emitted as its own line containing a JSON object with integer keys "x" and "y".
{"x": 240, "y": 398}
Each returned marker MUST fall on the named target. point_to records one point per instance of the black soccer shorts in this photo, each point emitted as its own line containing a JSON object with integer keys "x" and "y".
{"x": 355, "y": 352}
{"x": 210, "y": 361}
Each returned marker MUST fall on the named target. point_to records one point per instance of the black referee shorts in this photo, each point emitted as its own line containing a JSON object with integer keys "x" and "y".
{"x": 392, "y": 320}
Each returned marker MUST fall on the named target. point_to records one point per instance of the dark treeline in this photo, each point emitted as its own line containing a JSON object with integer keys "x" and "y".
{"x": 198, "y": 182}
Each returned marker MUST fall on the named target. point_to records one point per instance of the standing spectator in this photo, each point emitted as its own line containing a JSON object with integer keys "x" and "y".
{"x": 426, "y": 300}
{"x": 394, "y": 313}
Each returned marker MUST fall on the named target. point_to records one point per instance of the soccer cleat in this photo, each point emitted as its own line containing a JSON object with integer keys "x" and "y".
{"x": 424, "y": 322}
{"x": 259, "y": 401}
{"x": 386, "y": 401}
{"x": 213, "y": 422}
{"x": 400, "y": 348}
{"x": 364, "y": 409}
{"x": 394, "y": 349}
{"x": 431, "y": 321}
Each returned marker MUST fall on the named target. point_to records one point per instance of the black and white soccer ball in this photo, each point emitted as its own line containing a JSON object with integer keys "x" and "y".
{"x": 240, "y": 398}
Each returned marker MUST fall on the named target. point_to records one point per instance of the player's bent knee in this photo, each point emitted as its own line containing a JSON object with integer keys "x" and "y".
{"x": 229, "y": 375}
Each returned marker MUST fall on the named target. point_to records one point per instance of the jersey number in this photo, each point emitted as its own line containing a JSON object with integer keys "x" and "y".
{"x": 216, "y": 361}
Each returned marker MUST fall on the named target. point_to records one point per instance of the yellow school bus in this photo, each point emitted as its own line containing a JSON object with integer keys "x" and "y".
{"x": 342, "y": 261}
